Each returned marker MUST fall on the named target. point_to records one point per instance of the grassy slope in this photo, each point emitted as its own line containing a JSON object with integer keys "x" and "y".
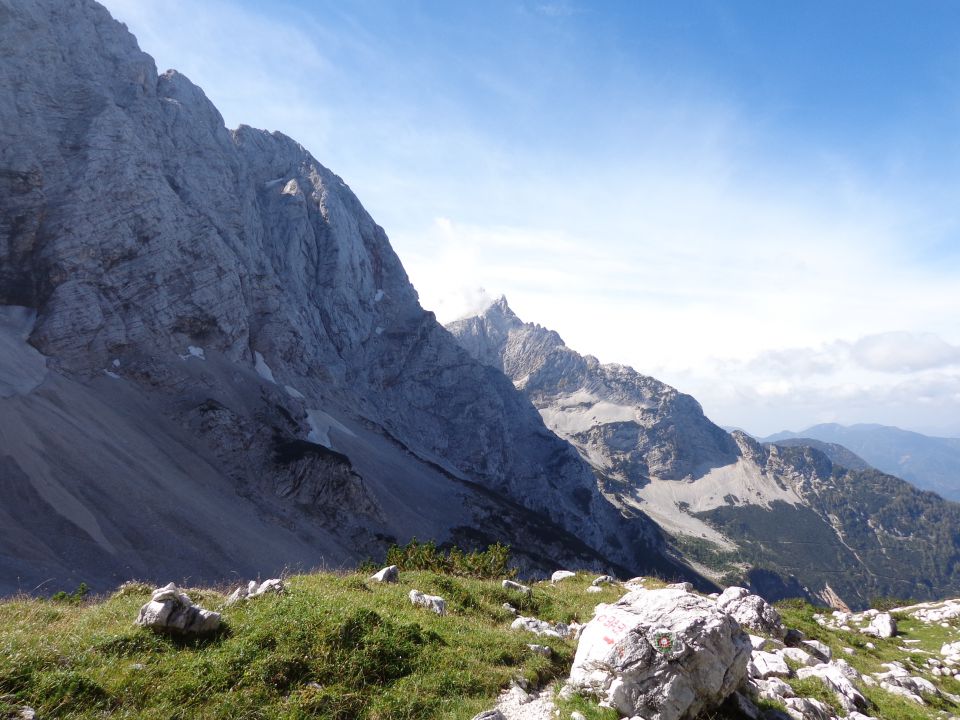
{"x": 332, "y": 647}
{"x": 343, "y": 647}
{"x": 799, "y": 615}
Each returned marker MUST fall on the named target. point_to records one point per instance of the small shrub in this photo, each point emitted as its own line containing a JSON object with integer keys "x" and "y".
{"x": 74, "y": 598}
{"x": 488, "y": 564}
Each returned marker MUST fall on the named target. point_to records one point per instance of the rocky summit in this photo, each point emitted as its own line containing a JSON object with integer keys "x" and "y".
{"x": 785, "y": 520}
{"x": 212, "y": 360}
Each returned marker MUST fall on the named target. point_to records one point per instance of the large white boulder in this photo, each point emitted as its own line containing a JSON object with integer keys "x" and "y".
{"x": 882, "y": 625}
{"x": 661, "y": 654}
{"x": 561, "y": 575}
{"x": 751, "y": 611}
{"x": 171, "y": 610}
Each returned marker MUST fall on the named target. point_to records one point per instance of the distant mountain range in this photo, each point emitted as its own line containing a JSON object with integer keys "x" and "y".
{"x": 795, "y": 518}
{"x": 930, "y": 463}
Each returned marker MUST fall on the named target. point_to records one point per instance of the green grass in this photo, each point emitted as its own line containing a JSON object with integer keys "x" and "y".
{"x": 586, "y": 706}
{"x": 886, "y": 706}
{"x": 334, "y": 646}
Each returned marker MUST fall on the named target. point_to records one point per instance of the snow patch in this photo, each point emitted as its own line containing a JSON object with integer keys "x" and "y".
{"x": 378, "y": 330}
{"x": 115, "y": 363}
{"x": 111, "y": 374}
{"x": 293, "y": 392}
{"x": 291, "y": 188}
{"x": 379, "y": 296}
{"x": 263, "y": 370}
{"x": 320, "y": 426}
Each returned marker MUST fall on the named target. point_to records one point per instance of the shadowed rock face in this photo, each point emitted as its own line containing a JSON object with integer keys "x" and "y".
{"x": 238, "y": 374}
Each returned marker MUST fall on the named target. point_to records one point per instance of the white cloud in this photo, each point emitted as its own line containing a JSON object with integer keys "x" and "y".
{"x": 905, "y": 352}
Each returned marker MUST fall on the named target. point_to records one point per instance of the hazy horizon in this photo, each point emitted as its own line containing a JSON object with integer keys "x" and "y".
{"x": 753, "y": 203}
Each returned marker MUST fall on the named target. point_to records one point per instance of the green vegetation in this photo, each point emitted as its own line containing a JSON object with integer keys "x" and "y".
{"x": 74, "y": 598}
{"x": 724, "y": 562}
{"x": 334, "y": 646}
{"x": 887, "y": 706}
{"x": 585, "y": 706}
{"x": 494, "y": 562}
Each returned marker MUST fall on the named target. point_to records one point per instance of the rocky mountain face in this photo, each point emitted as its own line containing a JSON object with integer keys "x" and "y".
{"x": 212, "y": 359}
{"x": 788, "y": 520}
{"x": 629, "y": 426}
{"x": 930, "y": 463}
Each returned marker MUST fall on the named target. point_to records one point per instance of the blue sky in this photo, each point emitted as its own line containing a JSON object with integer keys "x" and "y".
{"x": 756, "y": 202}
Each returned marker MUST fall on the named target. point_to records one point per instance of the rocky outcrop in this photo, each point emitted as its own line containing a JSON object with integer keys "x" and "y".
{"x": 171, "y": 610}
{"x": 215, "y": 311}
{"x": 629, "y": 425}
{"x": 751, "y": 611}
{"x": 253, "y": 589}
{"x": 661, "y": 654}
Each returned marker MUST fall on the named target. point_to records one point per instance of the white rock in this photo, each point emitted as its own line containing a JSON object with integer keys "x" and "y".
{"x": 509, "y": 608}
{"x": 703, "y": 658}
{"x": 687, "y": 586}
{"x": 594, "y": 589}
{"x": 561, "y": 575}
{"x": 577, "y": 716}
{"x": 544, "y": 650}
{"x": 765, "y": 664}
{"x": 751, "y": 611}
{"x": 253, "y": 590}
{"x": 604, "y": 580}
{"x": 540, "y": 627}
{"x": 511, "y": 585}
{"x": 490, "y": 715}
{"x": 950, "y": 648}
{"x": 835, "y": 677}
{"x": 389, "y": 574}
{"x": 431, "y": 602}
{"x": 882, "y": 625}
{"x": 903, "y": 692}
{"x": 773, "y": 688}
{"x": 172, "y": 610}
{"x": 799, "y": 655}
